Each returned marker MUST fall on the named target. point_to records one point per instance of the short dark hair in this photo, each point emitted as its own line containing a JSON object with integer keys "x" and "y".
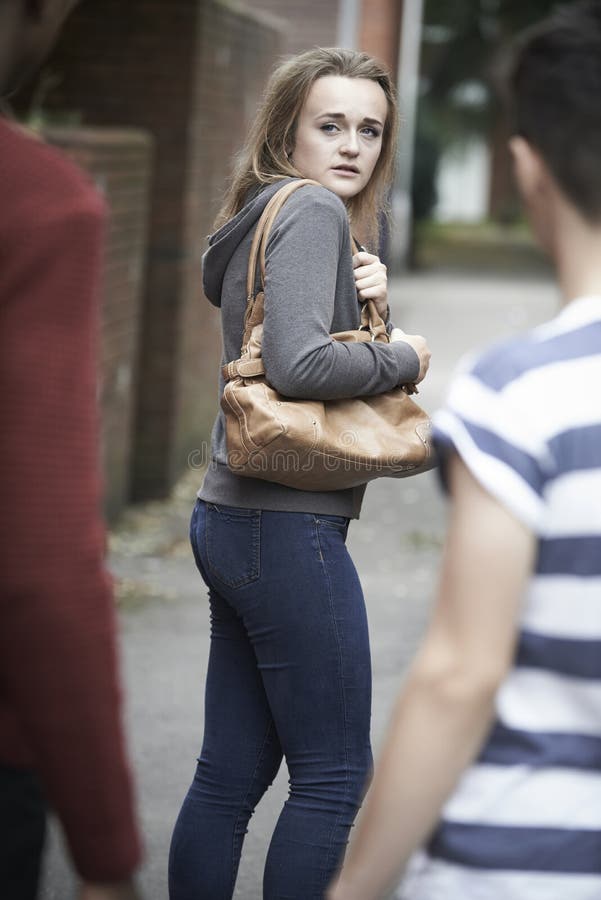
{"x": 555, "y": 99}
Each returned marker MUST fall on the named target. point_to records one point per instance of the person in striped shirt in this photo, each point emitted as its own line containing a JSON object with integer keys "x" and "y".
{"x": 493, "y": 760}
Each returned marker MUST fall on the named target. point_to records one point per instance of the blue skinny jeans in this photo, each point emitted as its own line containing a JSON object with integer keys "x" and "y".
{"x": 289, "y": 675}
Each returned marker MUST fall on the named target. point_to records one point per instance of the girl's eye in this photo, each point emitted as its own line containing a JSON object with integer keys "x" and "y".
{"x": 367, "y": 130}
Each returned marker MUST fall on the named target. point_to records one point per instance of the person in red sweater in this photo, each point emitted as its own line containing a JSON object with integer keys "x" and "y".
{"x": 61, "y": 737}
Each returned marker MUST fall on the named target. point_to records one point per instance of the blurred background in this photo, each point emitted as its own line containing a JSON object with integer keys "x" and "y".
{"x": 153, "y": 99}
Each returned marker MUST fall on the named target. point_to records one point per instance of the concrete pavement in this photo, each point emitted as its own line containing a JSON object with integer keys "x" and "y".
{"x": 396, "y": 546}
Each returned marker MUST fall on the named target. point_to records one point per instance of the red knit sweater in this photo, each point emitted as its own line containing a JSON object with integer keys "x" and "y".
{"x": 59, "y": 691}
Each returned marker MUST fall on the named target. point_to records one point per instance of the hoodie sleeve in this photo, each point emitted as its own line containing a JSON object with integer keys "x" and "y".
{"x": 302, "y": 265}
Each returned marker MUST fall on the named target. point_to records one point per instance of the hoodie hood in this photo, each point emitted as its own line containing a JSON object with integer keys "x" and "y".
{"x": 224, "y": 242}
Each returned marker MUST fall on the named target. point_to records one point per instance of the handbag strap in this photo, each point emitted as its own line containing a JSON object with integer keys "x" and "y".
{"x": 263, "y": 229}
{"x": 370, "y": 319}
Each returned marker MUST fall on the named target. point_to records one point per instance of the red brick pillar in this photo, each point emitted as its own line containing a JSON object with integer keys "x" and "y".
{"x": 379, "y": 30}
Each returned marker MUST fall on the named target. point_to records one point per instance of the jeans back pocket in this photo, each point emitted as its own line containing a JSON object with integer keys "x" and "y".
{"x": 341, "y": 523}
{"x": 233, "y": 544}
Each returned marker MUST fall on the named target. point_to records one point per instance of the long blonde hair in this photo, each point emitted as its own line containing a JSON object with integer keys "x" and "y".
{"x": 264, "y": 157}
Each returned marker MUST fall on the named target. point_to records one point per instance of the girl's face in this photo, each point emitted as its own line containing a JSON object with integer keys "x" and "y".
{"x": 339, "y": 133}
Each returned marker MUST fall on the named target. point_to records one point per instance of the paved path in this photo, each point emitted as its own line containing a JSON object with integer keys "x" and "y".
{"x": 396, "y": 546}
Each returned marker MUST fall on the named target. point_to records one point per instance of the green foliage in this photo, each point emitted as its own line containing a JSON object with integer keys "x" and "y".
{"x": 463, "y": 43}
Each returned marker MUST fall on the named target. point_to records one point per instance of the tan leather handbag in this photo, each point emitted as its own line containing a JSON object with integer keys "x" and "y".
{"x": 315, "y": 445}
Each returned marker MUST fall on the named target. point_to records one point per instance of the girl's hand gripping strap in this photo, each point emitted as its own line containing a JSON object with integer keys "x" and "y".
{"x": 370, "y": 320}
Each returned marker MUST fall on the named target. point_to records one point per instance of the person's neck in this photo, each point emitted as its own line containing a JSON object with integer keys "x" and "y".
{"x": 578, "y": 257}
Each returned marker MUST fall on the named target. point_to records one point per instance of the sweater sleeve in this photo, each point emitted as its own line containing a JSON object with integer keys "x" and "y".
{"x": 302, "y": 265}
{"x": 58, "y": 659}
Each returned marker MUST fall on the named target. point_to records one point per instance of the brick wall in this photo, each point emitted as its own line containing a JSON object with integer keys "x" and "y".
{"x": 190, "y": 73}
{"x": 379, "y": 30}
{"x": 120, "y": 164}
{"x": 315, "y": 23}
{"x": 312, "y": 23}
{"x": 236, "y": 53}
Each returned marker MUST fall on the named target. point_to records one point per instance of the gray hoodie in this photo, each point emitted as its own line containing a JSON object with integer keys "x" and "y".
{"x": 309, "y": 293}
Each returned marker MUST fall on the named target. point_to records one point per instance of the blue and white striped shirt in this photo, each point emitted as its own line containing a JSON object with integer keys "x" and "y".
{"x": 525, "y": 820}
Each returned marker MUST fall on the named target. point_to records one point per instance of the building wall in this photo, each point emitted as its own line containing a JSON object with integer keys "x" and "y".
{"x": 236, "y": 52}
{"x": 312, "y": 23}
{"x": 379, "y": 30}
{"x": 120, "y": 164}
{"x": 189, "y": 72}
